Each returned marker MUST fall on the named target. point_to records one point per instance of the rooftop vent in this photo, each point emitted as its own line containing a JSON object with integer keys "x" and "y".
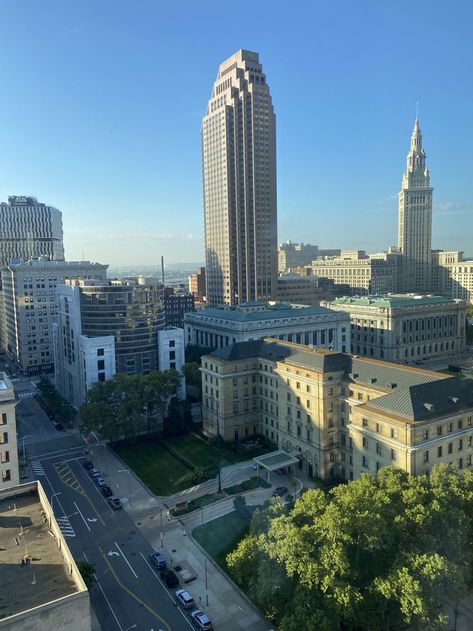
{"x": 353, "y": 375}
{"x": 454, "y": 400}
{"x": 429, "y": 406}
{"x": 374, "y": 379}
{"x": 391, "y": 386}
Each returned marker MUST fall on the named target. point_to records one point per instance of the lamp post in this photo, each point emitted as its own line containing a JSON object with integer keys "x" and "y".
{"x": 161, "y": 537}
{"x": 206, "y": 591}
{"x": 129, "y": 481}
{"x": 52, "y": 509}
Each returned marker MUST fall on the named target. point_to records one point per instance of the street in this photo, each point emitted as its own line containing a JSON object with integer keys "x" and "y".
{"x": 127, "y": 594}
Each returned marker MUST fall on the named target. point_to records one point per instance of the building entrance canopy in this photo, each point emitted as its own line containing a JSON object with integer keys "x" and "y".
{"x": 275, "y": 460}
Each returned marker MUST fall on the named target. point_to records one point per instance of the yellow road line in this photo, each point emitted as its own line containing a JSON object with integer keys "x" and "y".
{"x": 68, "y": 478}
{"x": 137, "y": 598}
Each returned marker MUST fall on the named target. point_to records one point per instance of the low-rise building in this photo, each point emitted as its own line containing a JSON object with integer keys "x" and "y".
{"x": 341, "y": 415}
{"x": 306, "y": 289}
{"x": 364, "y": 274}
{"x": 29, "y": 307}
{"x": 9, "y": 472}
{"x": 171, "y": 353}
{"x": 42, "y": 588}
{"x": 317, "y": 326}
{"x": 405, "y": 328}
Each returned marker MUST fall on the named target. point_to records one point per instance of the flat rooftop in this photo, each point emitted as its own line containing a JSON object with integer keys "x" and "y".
{"x": 24, "y": 535}
{"x": 393, "y": 301}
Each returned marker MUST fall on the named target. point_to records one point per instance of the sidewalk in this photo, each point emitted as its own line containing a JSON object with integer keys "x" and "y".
{"x": 227, "y": 607}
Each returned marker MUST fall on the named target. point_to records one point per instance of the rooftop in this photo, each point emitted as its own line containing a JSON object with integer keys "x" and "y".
{"x": 393, "y": 301}
{"x": 7, "y": 392}
{"x": 25, "y": 535}
{"x": 273, "y": 312}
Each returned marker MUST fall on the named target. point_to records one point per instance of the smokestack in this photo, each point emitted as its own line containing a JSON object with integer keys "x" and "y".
{"x": 162, "y": 268}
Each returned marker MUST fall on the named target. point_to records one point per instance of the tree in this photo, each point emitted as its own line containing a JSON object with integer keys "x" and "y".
{"x": 241, "y": 508}
{"x": 191, "y": 371}
{"x": 194, "y": 352}
{"x": 87, "y": 571}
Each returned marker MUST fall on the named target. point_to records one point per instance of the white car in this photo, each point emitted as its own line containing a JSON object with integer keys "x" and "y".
{"x": 201, "y": 620}
{"x": 185, "y": 598}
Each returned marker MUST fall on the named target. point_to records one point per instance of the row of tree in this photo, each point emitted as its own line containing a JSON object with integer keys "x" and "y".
{"x": 127, "y": 406}
{"x": 379, "y": 553}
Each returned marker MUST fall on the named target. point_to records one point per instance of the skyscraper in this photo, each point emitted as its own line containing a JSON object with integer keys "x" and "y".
{"x": 415, "y": 219}
{"x": 239, "y": 180}
{"x": 29, "y": 229}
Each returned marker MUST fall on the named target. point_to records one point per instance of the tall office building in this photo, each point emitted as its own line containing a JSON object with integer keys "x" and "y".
{"x": 29, "y": 229}
{"x": 415, "y": 219}
{"x": 239, "y": 180}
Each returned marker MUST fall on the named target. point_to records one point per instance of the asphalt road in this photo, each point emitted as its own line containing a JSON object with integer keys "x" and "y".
{"x": 127, "y": 594}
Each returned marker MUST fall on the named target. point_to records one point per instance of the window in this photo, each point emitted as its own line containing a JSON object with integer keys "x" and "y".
{"x": 365, "y": 442}
{"x": 379, "y": 428}
{"x": 6, "y": 475}
{"x": 101, "y": 376}
{"x": 360, "y": 396}
{"x": 426, "y": 456}
{"x": 365, "y": 462}
{"x": 450, "y": 448}
{"x": 460, "y": 444}
{"x": 365, "y": 422}
{"x": 439, "y": 430}
{"x": 172, "y": 355}
{"x": 439, "y": 452}
{"x": 3, "y": 438}
{"x": 100, "y": 352}
{"x": 379, "y": 449}
{"x": 426, "y": 434}
{"x": 172, "y": 343}
{"x": 101, "y": 364}
{"x": 393, "y": 432}
{"x": 4, "y": 418}
{"x": 393, "y": 454}
{"x": 460, "y": 463}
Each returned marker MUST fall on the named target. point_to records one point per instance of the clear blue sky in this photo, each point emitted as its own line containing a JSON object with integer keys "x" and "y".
{"x": 102, "y": 101}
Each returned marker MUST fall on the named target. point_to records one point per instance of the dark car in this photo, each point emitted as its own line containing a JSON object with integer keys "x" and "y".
{"x": 107, "y": 491}
{"x": 59, "y": 427}
{"x": 201, "y": 620}
{"x": 170, "y": 578}
{"x": 87, "y": 465}
{"x": 279, "y": 491}
{"x": 114, "y": 503}
{"x": 158, "y": 561}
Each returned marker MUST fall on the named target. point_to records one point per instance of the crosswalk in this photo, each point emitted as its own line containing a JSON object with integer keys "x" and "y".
{"x": 25, "y": 395}
{"x": 65, "y": 527}
{"x": 37, "y": 468}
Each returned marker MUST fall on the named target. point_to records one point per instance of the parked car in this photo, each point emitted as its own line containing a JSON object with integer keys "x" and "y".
{"x": 59, "y": 427}
{"x": 107, "y": 491}
{"x": 185, "y": 599}
{"x": 201, "y": 620}
{"x": 87, "y": 465}
{"x": 114, "y": 503}
{"x": 170, "y": 578}
{"x": 279, "y": 491}
{"x": 95, "y": 473}
{"x": 158, "y": 561}
{"x": 100, "y": 482}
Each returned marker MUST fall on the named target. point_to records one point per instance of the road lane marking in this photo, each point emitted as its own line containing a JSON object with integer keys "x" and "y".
{"x": 83, "y": 519}
{"x": 59, "y": 451}
{"x": 133, "y": 595}
{"x": 165, "y": 588}
{"x": 65, "y": 527}
{"x": 65, "y": 473}
{"x": 37, "y": 468}
{"x": 126, "y": 560}
{"x": 108, "y": 602}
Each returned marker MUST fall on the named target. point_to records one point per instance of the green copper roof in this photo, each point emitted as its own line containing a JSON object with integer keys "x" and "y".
{"x": 392, "y": 301}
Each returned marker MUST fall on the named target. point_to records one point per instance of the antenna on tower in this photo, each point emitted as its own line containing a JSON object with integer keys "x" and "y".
{"x": 417, "y": 110}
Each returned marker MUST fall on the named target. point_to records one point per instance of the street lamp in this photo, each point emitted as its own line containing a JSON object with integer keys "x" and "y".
{"x": 129, "y": 481}
{"x": 52, "y": 498}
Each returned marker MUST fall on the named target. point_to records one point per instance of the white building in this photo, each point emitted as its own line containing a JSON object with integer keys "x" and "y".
{"x": 171, "y": 353}
{"x": 415, "y": 219}
{"x": 317, "y": 326}
{"x": 9, "y": 472}
{"x": 29, "y": 307}
{"x": 406, "y": 328}
{"x": 239, "y": 179}
{"x": 453, "y": 275}
{"x": 29, "y": 229}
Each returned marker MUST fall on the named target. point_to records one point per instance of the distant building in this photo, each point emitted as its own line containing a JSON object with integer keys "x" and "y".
{"x": 405, "y": 328}
{"x": 307, "y": 289}
{"x": 452, "y": 274}
{"x": 9, "y": 472}
{"x": 29, "y": 307}
{"x": 171, "y": 349}
{"x": 291, "y": 255}
{"x": 317, "y": 326}
{"x": 239, "y": 181}
{"x": 42, "y": 587}
{"x": 364, "y": 274}
{"x": 337, "y": 415}
{"x": 29, "y": 229}
{"x": 197, "y": 284}
{"x": 176, "y": 305}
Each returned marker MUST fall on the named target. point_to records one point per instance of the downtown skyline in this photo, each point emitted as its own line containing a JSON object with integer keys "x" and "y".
{"x": 125, "y": 170}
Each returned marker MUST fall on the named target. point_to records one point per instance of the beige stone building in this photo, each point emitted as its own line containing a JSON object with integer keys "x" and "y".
{"x": 340, "y": 415}
{"x": 408, "y": 328}
{"x": 9, "y": 472}
{"x": 452, "y": 274}
{"x": 239, "y": 180}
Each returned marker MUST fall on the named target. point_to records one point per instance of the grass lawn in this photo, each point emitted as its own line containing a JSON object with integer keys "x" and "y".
{"x": 220, "y": 536}
{"x": 157, "y": 468}
{"x": 202, "y": 454}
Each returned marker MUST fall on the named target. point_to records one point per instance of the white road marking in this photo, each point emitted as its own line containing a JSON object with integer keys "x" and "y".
{"x": 83, "y": 519}
{"x": 126, "y": 560}
{"x": 165, "y": 589}
{"x": 37, "y": 468}
{"x": 59, "y": 451}
{"x": 108, "y": 602}
{"x": 65, "y": 527}
{"x": 112, "y": 553}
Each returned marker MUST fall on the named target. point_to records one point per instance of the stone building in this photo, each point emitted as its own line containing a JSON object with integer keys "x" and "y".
{"x": 9, "y": 471}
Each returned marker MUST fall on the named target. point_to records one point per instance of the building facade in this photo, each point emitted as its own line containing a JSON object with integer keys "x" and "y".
{"x": 9, "y": 471}
{"x": 317, "y": 326}
{"x": 29, "y": 229}
{"x": 292, "y": 255}
{"x": 171, "y": 349}
{"x": 29, "y": 307}
{"x": 341, "y": 415}
{"x": 405, "y": 328}
{"x": 176, "y": 305}
{"x": 363, "y": 274}
{"x": 197, "y": 284}
{"x": 415, "y": 219}
{"x": 239, "y": 182}
{"x": 453, "y": 275}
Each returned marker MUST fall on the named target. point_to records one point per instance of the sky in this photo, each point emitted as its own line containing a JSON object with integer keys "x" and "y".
{"x": 102, "y": 102}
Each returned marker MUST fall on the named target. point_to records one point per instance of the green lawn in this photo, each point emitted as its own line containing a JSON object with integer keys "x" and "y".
{"x": 157, "y": 468}
{"x": 220, "y": 536}
{"x": 202, "y": 454}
